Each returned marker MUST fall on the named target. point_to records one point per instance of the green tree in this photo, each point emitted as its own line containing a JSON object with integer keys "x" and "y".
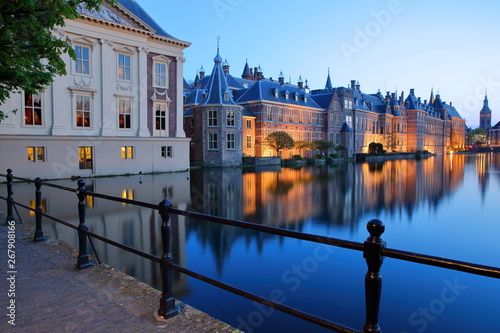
{"x": 30, "y": 55}
{"x": 279, "y": 140}
{"x": 323, "y": 146}
{"x": 478, "y": 136}
{"x": 376, "y": 148}
{"x": 302, "y": 145}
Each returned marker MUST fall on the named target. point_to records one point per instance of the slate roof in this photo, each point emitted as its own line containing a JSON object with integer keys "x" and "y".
{"x": 497, "y": 126}
{"x": 323, "y": 100}
{"x": 273, "y": 91}
{"x": 137, "y": 10}
{"x": 217, "y": 85}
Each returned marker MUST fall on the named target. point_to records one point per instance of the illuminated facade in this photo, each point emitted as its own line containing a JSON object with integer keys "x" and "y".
{"x": 117, "y": 111}
{"x": 343, "y": 115}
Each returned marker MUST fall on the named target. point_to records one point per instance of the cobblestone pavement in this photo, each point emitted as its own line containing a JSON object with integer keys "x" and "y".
{"x": 51, "y": 295}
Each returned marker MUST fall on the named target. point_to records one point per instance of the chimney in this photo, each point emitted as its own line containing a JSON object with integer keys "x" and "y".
{"x": 353, "y": 84}
{"x": 412, "y": 91}
{"x": 255, "y": 71}
{"x": 358, "y": 87}
{"x": 281, "y": 78}
{"x": 300, "y": 84}
{"x": 451, "y": 103}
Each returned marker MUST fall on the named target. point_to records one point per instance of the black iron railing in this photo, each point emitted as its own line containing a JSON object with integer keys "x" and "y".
{"x": 374, "y": 251}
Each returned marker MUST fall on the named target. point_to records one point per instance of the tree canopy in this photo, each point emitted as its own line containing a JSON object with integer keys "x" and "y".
{"x": 302, "y": 145}
{"x": 30, "y": 55}
{"x": 323, "y": 146}
{"x": 279, "y": 140}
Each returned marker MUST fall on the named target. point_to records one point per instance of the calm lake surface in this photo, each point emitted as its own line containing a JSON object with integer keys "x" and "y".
{"x": 444, "y": 206}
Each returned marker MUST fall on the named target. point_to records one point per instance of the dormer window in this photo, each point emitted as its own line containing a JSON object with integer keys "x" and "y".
{"x": 275, "y": 92}
{"x": 226, "y": 96}
{"x": 305, "y": 98}
{"x": 296, "y": 97}
{"x": 286, "y": 94}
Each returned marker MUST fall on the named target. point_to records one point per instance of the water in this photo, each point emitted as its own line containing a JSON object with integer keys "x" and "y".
{"x": 443, "y": 206}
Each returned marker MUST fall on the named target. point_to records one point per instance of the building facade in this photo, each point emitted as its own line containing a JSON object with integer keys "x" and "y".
{"x": 117, "y": 111}
{"x": 345, "y": 116}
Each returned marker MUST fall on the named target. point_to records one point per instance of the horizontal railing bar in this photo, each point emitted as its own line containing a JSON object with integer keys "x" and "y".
{"x": 122, "y": 200}
{"x": 43, "y": 214}
{"x": 124, "y": 247}
{"x": 272, "y": 230}
{"x": 267, "y": 302}
{"x": 457, "y": 265}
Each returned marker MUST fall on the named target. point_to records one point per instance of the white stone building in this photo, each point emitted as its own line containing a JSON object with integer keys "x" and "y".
{"x": 117, "y": 111}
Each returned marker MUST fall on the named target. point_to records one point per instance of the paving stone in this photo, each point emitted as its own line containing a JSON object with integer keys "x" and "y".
{"x": 53, "y": 296}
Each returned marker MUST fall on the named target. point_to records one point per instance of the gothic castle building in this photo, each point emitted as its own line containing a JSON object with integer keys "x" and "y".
{"x": 228, "y": 117}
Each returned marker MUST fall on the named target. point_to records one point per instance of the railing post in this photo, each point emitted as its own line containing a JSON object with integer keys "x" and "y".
{"x": 10, "y": 200}
{"x": 38, "y": 211}
{"x": 167, "y": 309}
{"x": 373, "y": 280}
{"x": 83, "y": 257}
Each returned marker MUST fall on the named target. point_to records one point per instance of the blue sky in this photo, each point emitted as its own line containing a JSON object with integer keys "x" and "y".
{"x": 451, "y": 46}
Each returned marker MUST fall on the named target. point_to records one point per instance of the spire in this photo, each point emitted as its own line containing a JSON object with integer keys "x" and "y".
{"x": 431, "y": 100}
{"x": 246, "y": 72}
{"x": 218, "y": 91}
{"x": 328, "y": 84}
{"x": 486, "y": 107}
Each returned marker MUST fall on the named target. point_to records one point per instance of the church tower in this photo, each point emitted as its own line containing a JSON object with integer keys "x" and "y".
{"x": 485, "y": 115}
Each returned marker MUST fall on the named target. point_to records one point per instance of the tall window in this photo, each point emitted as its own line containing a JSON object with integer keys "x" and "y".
{"x": 36, "y": 154}
{"x": 230, "y": 117}
{"x": 230, "y": 140}
{"x": 160, "y": 75}
{"x": 127, "y": 152}
{"x": 82, "y": 60}
{"x": 85, "y": 157}
{"x": 212, "y": 118}
{"x": 160, "y": 119}
{"x": 124, "y": 113}
{"x": 32, "y": 109}
{"x": 82, "y": 111}
{"x": 249, "y": 124}
{"x": 212, "y": 141}
{"x": 249, "y": 141}
{"x": 124, "y": 67}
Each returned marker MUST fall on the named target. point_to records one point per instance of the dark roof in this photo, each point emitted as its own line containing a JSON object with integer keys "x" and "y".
{"x": 217, "y": 86}
{"x": 275, "y": 92}
{"x": 497, "y": 126}
{"x": 141, "y": 14}
{"x": 323, "y": 100}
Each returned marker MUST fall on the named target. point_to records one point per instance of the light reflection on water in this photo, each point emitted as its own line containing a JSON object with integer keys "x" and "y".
{"x": 443, "y": 206}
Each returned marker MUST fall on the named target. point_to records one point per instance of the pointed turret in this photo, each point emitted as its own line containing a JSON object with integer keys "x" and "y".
{"x": 197, "y": 81}
{"x": 247, "y": 74}
{"x": 431, "y": 100}
{"x": 328, "y": 84}
{"x": 218, "y": 91}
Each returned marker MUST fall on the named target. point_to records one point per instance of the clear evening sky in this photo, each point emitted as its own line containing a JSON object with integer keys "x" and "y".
{"x": 451, "y": 46}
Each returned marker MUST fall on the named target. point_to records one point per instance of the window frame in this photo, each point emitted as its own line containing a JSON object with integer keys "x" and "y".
{"x": 76, "y": 125}
{"x": 231, "y": 118}
{"x": 121, "y": 75}
{"x": 80, "y": 61}
{"x": 85, "y": 152}
{"x": 38, "y": 153}
{"x": 33, "y": 109}
{"x": 213, "y": 141}
{"x": 213, "y": 118}
{"x": 161, "y": 61}
{"x": 231, "y": 141}
{"x": 124, "y": 114}
{"x": 127, "y": 152}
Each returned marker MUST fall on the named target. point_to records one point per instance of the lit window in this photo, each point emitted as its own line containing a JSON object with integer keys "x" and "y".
{"x": 82, "y": 110}
{"x": 36, "y": 154}
{"x": 124, "y": 67}
{"x": 249, "y": 124}
{"x": 82, "y": 60}
{"x": 32, "y": 109}
{"x": 127, "y": 152}
{"x": 212, "y": 141}
{"x": 212, "y": 118}
{"x": 85, "y": 157}
{"x": 230, "y": 118}
{"x": 124, "y": 113}
{"x": 249, "y": 141}
{"x": 230, "y": 140}
{"x": 160, "y": 75}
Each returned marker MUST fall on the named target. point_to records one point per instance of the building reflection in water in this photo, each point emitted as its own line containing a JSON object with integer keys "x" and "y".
{"x": 292, "y": 198}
